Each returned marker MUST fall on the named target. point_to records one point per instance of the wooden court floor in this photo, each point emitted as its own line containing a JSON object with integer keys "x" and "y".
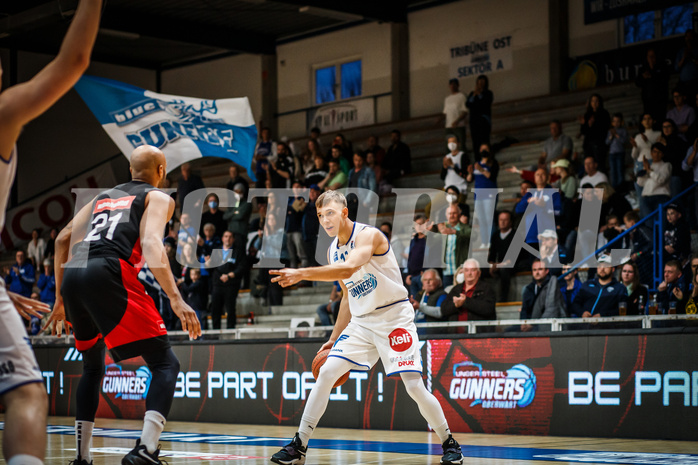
{"x": 187, "y": 443}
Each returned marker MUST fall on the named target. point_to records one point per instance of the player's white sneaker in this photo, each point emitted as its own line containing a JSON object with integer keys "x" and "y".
{"x": 293, "y": 453}
{"x": 452, "y": 452}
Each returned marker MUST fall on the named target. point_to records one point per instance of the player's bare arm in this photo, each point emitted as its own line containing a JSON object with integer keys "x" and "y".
{"x": 368, "y": 242}
{"x": 158, "y": 210}
{"x": 24, "y": 102}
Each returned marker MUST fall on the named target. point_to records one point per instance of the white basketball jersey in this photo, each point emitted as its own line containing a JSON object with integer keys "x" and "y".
{"x": 7, "y": 176}
{"x": 377, "y": 284}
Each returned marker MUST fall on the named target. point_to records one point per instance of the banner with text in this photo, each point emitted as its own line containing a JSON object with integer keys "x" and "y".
{"x": 486, "y": 56}
{"x": 344, "y": 115}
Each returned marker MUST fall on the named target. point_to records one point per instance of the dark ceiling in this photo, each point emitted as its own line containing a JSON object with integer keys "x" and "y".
{"x": 164, "y": 34}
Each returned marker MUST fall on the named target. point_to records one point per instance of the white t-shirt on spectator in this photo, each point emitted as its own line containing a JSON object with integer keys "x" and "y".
{"x": 454, "y": 106}
{"x": 594, "y": 180}
{"x": 452, "y": 178}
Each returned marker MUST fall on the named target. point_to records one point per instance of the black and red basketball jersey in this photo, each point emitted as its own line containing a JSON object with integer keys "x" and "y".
{"x": 114, "y": 229}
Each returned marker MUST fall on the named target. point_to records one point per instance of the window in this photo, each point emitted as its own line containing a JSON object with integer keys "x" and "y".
{"x": 343, "y": 79}
{"x": 651, "y": 25}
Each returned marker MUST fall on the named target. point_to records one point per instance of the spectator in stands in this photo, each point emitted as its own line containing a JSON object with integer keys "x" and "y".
{"x": 499, "y": 246}
{"x": 186, "y": 234}
{"x": 210, "y": 241}
{"x": 593, "y": 175}
{"x": 455, "y": 113}
{"x": 600, "y": 296}
{"x": 188, "y": 183}
{"x": 677, "y": 235}
{"x": 335, "y": 179}
{"x": 310, "y": 224}
{"x": 683, "y": 115}
{"x": 415, "y": 260}
{"x": 457, "y": 242}
{"x": 612, "y": 202}
{"x": 524, "y": 187}
{"x": 399, "y": 249}
{"x": 640, "y": 245}
{"x": 690, "y": 165}
{"x": 50, "y": 249}
{"x": 345, "y": 147}
{"x": 235, "y": 179}
{"x": 692, "y": 301}
{"x": 541, "y": 298}
{"x": 672, "y": 289}
{"x": 594, "y": 127}
{"x": 195, "y": 293}
{"x": 552, "y": 253}
{"x": 653, "y": 79}
{"x": 654, "y": 180}
{"x": 238, "y": 216}
{"x": 642, "y": 147}
{"x": 686, "y": 63}
{"x": 456, "y": 197}
{"x": 539, "y": 202}
{"x": 556, "y": 147}
{"x": 454, "y": 165}
{"x": 473, "y": 300}
{"x": 373, "y": 147}
{"x": 213, "y": 214}
{"x": 226, "y": 281}
{"x": 280, "y": 169}
{"x": 327, "y": 313}
{"x": 480, "y": 105}
{"x": 336, "y": 154}
{"x": 674, "y": 154}
{"x": 306, "y": 163}
{"x": 571, "y": 286}
{"x": 630, "y": 278}
{"x": 188, "y": 259}
{"x": 35, "y": 250}
{"x": 20, "y": 278}
{"x": 484, "y": 175}
{"x": 294, "y": 228}
{"x": 398, "y": 158}
{"x": 383, "y": 187}
{"x": 317, "y": 173}
{"x": 265, "y": 150}
{"x": 47, "y": 288}
{"x": 609, "y": 231}
{"x": 315, "y": 135}
{"x": 616, "y": 140}
{"x": 362, "y": 176}
{"x": 427, "y": 305}
{"x": 568, "y": 185}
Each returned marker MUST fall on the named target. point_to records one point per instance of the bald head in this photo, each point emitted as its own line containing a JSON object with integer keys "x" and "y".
{"x": 146, "y": 161}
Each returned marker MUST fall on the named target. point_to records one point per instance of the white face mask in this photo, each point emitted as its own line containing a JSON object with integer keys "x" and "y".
{"x": 460, "y": 279}
{"x": 452, "y": 146}
{"x": 451, "y": 198}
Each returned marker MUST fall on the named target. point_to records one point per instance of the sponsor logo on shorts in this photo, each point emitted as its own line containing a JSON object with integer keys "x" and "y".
{"x": 513, "y": 388}
{"x": 7, "y": 368}
{"x": 362, "y": 287}
{"x": 406, "y": 363}
{"x": 400, "y": 340}
{"x": 123, "y": 203}
{"x": 128, "y": 385}
{"x": 401, "y": 358}
{"x": 341, "y": 338}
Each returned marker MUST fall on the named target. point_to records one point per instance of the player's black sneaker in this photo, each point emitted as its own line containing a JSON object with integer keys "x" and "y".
{"x": 80, "y": 461}
{"x": 293, "y": 453}
{"x": 452, "y": 452}
{"x": 140, "y": 456}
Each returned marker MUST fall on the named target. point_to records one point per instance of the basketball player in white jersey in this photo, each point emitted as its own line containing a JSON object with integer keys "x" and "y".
{"x": 21, "y": 385}
{"x": 376, "y": 320}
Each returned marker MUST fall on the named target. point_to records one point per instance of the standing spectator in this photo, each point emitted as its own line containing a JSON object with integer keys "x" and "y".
{"x": 640, "y": 246}
{"x": 186, "y": 234}
{"x": 686, "y": 63}
{"x": 238, "y": 217}
{"x": 35, "y": 250}
{"x": 415, "y": 260}
{"x": 683, "y": 115}
{"x": 654, "y": 180}
{"x": 551, "y": 252}
{"x": 383, "y": 187}
{"x": 540, "y": 200}
{"x": 455, "y": 197}
{"x": 499, "y": 246}
{"x": 571, "y": 286}
{"x": 691, "y": 307}
{"x": 453, "y": 170}
{"x": 457, "y": 242}
{"x": 480, "y": 105}
{"x": 594, "y": 127}
{"x": 188, "y": 183}
{"x": 568, "y": 185}
{"x": 616, "y": 140}
{"x": 556, "y": 147}
{"x": 364, "y": 178}
{"x": 311, "y": 225}
{"x": 642, "y": 147}
{"x": 373, "y": 147}
{"x": 593, "y": 176}
{"x": 209, "y": 241}
{"x": 50, "y": 249}
{"x": 484, "y": 175}
{"x": 609, "y": 231}
{"x": 427, "y": 305}
{"x": 690, "y": 165}
{"x": 47, "y": 288}
{"x": 327, "y": 313}
{"x": 335, "y": 179}
{"x": 653, "y": 79}
{"x": 280, "y": 170}
{"x": 473, "y": 300}
{"x": 398, "y": 158}
{"x": 677, "y": 235}
{"x": 600, "y": 296}
{"x": 265, "y": 150}
{"x": 542, "y": 297}
{"x": 672, "y": 289}
{"x": 21, "y": 277}
{"x": 317, "y": 173}
{"x": 235, "y": 178}
{"x": 195, "y": 293}
{"x": 630, "y": 278}
{"x": 212, "y": 215}
{"x": 226, "y": 281}
{"x": 676, "y": 148}
{"x": 294, "y": 227}
{"x": 455, "y": 112}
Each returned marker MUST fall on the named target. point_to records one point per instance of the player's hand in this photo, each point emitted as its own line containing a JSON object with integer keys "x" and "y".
{"x": 57, "y": 317}
{"x": 27, "y": 307}
{"x": 286, "y": 277}
{"x": 326, "y": 345}
{"x": 187, "y": 315}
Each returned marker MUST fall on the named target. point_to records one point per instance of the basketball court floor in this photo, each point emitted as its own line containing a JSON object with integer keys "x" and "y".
{"x": 188, "y": 443}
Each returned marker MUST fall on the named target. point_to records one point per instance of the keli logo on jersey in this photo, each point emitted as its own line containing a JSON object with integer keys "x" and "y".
{"x": 362, "y": 287}
{"x": 123, "y": 203}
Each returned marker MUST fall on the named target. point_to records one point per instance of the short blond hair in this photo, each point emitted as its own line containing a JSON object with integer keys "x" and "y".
{"x": 331, "y": 196}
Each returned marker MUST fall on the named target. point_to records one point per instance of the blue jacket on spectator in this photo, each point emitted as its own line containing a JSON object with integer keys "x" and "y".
{"x": 47, "y": 284}
{"x": 570, "y": 295}
{"x": 599, "y": 300}
{"x": 21, "y": 283}
{"x": 544, "y": 216}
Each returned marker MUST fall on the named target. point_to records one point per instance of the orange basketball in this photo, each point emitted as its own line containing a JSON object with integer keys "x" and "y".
{"x": 319, "y": 361}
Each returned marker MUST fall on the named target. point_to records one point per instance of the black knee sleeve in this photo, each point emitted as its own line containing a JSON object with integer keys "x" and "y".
{"x": 164, "y": 366}
{"x": 88, "y": 387}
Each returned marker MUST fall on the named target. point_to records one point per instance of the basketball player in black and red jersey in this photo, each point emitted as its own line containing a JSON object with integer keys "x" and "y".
{"x": 107, "y": 305}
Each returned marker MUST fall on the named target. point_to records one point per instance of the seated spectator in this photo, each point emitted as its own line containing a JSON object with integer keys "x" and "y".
{"x": 692, "y": 301}
{"x": 612, "y": 202}
{"x": 453, "y": 171}
{"x": 315, "y": 135}
{"x": 457, "y": 242}
{"x": 654, "y": 180}
{"x": 690, "y": 165}
{"x": 571, "y": 287}
{"x": 473, "y": 300}
{"x": 398, "y": 158}
{"x": 317, "y": 173}
{"x": 373, "y": 147}
{"x": 542, "y": 297}
{"x": 640, "y": 244}
{"x": 345, "y": 147}
{"x": 188, "y": 183}
{"x": 35, "y": 250}
{"x": 594, "y": 127}
{"x": 335, "y": 179}
{"x": 609, "y": 231}
{"x": 677, "y": 235}
{"x": 676, "y": 147}
{"x": 383, "y": 187}
{"x": 567, "y": 182}
{"x": 294, "y": 228}
{"x": 616, "y": 140}
{"x": 642, "y": 147}
{"x": 630, "y": 278}
{"x": 499, "y": 246}
{"x": 600, "y": 296}
{"x": 238, "y": 216}
{"x": 336, "y": 154}
{"x": 683, "y": 115}
{"x": 556, "y": 147}
{"x": 428, "y": 304}
{"x": 415, "y": 260}
{"x": 235, "y": 178}
{"x": 21, "y": 276}
{"x": 483, "y": 174}
{"x": 671, "y": 290}
{"x": 364, "y": 178}
{"x": 186, "y": 234}
{"x": 213, "y": 214}
{"x": 552, "y": 253}
{"x": 593, "y": 176}
{"x": 306, "y": 163}
{"x": 280, "y": 169}
{"x": 328, "y": 312}
{"x": 195, "y": 293}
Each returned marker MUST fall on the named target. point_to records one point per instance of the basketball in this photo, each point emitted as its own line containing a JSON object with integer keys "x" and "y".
{"x": 319, "y": 361}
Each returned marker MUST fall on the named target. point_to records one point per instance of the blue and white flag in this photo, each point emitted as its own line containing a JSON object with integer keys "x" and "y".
{"x": 184, "y": 128}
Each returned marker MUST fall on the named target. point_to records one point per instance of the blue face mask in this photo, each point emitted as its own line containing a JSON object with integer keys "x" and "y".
{"x": 212, "y": 205}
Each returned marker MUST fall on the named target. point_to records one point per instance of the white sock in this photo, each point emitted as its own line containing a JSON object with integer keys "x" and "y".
{"x": 153, "y": 424}
{"x": 306, "y": 428}
{"x": 83, "y": 439}
{"x": 442, "y": 431}
{"x": 24, "y": 459}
